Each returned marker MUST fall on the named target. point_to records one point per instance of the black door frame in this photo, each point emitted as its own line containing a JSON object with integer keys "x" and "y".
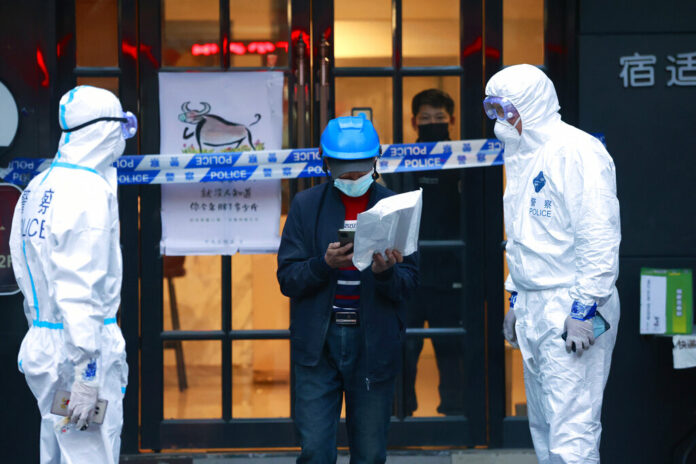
{"x": 67, "y": 72}
{"x": 469, "y": 430}
{"x": 226, "y": 432}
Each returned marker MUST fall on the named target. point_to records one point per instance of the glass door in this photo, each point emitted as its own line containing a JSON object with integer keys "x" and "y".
{"x": 388, "y": 58}
{"x": 215, "y": 339}
{"x": 214, "y": 359}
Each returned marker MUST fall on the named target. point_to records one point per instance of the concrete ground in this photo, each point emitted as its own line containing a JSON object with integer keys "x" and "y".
{"x": 395, "y": 457}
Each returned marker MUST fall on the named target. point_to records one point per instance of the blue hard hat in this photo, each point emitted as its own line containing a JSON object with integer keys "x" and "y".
{"x": 350, "y": 138}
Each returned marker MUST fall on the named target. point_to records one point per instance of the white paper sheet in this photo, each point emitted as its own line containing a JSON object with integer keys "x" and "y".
{"x": 653, "y": 304}
{"x": 684, "y": 351}
{"x": 394, "y": 222}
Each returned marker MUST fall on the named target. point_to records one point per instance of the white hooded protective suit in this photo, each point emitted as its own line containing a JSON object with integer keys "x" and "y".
{"x": 67, "y": 260}
{"x": 563, "y": 234}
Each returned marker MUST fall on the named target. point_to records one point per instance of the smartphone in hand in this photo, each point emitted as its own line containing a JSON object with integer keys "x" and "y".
{"x": 61, "y": 399}
{"x": 346, "y": 236}
{"x": 599, "y": 326}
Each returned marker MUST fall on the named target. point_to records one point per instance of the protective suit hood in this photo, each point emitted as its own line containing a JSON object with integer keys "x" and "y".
{"x": 534, "y": 96}
{"x": 98, "y": 145}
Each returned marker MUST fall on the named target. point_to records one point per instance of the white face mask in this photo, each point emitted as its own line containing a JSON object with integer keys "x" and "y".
{"x": 355, "y": 188}
{"x": 507, "y": 133}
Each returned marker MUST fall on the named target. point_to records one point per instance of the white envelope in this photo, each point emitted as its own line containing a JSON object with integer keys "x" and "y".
{"x": 394, "y": 222}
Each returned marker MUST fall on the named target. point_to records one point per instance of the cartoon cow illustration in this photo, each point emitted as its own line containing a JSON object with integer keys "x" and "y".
{"x": 212, "y": 130}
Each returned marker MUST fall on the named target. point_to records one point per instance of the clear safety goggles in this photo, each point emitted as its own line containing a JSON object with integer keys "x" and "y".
{"x": 129, "y": 124}
{"x": 500, "y": 108}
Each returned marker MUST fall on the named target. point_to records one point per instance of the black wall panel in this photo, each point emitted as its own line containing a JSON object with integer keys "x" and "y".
{"x": 636, "y": 16}
{"x": 649, "y": 408}
{"x": 27, "y": 68}
{"x": 650, "y": 134}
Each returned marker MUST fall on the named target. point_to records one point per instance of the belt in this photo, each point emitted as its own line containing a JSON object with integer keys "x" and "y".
{"x": 59, "y": 325}
{"x": 349, "y": 318}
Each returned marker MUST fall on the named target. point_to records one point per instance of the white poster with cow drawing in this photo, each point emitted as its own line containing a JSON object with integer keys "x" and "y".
{"x": 220, "y": 113}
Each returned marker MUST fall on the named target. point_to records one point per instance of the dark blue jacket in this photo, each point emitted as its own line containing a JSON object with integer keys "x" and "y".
{"x": 314, "y": 219}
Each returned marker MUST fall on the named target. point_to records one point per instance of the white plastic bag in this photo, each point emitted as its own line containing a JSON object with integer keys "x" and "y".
{"x": 394, "y": 223}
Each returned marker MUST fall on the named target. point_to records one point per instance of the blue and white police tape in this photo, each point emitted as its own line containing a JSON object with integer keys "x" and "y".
{"x": 300, "y": 156}
{"x": 277, "y": 164}
{"x": 295, "y": 164}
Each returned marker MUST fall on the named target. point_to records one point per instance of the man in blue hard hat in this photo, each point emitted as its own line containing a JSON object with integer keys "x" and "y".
{"x": 347, "y": 326}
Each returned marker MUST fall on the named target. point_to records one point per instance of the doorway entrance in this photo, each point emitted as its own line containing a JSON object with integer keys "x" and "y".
{"x": 207, "y": 337}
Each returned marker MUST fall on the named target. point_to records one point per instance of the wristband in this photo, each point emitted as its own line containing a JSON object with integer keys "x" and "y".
{"x": 582, "y": 312}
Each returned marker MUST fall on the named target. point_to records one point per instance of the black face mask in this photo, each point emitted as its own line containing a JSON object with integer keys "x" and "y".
{"x": 436, "y": 132}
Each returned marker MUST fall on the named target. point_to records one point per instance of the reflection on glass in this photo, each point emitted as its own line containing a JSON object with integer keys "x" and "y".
{"x": 261, "y": 384}
{"x": 259, "y": 33}
{"x": 515, "y": 396}
{"x": 192, "y": 295}
{"x": 523, "y": 32}
{"x": 363, "y": 35}
{"x": 201, "y": 398}
{"x": 256, "y": 299}
{"x": 96, "y": 31}
{"x": 428, "y": 389}
{"x": 440, "y": 361}
{"x": 430, "y": 33}
{"x": 414, "y": 85}
{"x": 191, "y": 33}
{"x": 371, "y": 92}
{"x": 286, "y": 107}
{"x": 108, "y": 83}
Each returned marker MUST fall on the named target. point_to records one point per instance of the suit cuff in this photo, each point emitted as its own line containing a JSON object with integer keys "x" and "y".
{"x": 583, "y": 312}
{"x": 386, "y": 275}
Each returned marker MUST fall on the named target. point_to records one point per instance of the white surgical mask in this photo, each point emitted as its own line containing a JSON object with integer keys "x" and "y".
{"x": 355, "y": 188}
{"x": 507, "y": 133}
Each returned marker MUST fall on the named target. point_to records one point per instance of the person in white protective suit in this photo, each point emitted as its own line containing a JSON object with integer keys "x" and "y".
{"x": 563, "y": 234}
{"x": 67, "y": 260}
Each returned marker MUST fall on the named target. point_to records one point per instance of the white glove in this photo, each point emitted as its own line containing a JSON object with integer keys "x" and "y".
{"x": 509, "y": 322}
{"x": 509, "y": 328}
{"x": 83, "y": 394}
{"x": 580, "y": 335}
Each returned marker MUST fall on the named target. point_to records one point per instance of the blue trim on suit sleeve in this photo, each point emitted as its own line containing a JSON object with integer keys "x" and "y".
{"x": 582, "y": 312}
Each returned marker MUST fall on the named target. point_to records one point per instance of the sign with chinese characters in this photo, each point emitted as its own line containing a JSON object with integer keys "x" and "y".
{"x": 684, "y": 351}
{"x": 221, "y": 218}
{"x": 666, "y": 301}
{"x": 638, "y": 70}
{"x": 638, "y": 90}
{"x": 220, "y": 113}
{"x": 9, "y": 195}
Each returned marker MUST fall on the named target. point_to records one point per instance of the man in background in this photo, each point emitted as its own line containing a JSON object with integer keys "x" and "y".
{"x": 437, "y": 301}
